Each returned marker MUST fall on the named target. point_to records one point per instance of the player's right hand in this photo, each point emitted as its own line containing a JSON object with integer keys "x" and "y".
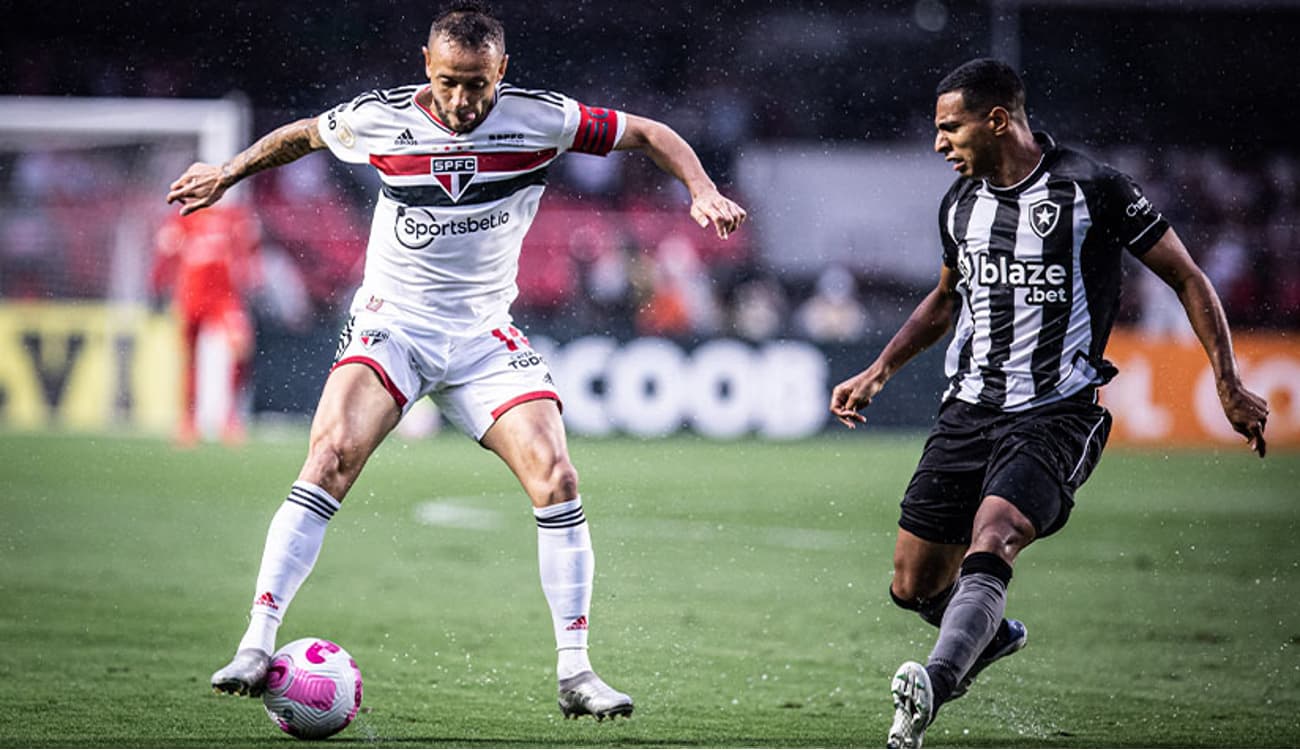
{"x": 854, "y": 394}
{"x": 199, "y": 187}
{"x": 1247, "y": 412}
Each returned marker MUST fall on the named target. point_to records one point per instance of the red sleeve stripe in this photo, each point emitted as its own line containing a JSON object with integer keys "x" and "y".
{"x": 411, "y": 165}
{"x": 597, "y": 129}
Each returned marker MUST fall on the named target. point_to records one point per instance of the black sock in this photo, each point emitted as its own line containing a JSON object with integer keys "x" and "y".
{"x": 942, "y": 682}
{"x": 931, "y": 610}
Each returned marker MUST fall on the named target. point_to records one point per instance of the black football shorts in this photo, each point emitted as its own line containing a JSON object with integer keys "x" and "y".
{"x": 1035, "y": 459}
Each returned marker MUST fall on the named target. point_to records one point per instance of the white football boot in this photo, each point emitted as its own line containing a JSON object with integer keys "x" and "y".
{"x": 585, "y": 693}
{"x": 244, "y": 675}
{"x": 913, "y": 705}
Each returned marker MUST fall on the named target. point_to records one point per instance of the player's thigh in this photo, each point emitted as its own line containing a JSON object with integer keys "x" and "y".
{"x": 356, "y": 411}
{"x": 530, "y": 439}
{"x": 1044, "y": 456}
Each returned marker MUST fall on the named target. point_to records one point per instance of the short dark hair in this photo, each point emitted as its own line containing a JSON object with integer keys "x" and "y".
{"x": 985, "y": 83}
{"x": 469, "y": 23}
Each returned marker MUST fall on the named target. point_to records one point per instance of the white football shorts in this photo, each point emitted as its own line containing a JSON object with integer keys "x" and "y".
{"x": 473, "y": 378}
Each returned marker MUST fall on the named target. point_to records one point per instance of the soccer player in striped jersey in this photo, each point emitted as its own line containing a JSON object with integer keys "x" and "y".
{"x": 1033, "y": 237}
{"x": 462, "y": 162}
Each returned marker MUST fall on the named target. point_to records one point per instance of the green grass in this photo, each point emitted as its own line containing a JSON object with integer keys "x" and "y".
{"x": 741, "y": 598}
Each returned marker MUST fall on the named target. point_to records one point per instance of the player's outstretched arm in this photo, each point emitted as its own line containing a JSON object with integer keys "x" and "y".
{"x": 204, "y": 184}
{"x": 675, "y": 156}
{"x": 1245, "y": 410}
{"x": 928, "y": 323}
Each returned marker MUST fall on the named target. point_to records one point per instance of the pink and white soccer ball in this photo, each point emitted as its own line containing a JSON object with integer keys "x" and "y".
{"x": 313, "y": 688}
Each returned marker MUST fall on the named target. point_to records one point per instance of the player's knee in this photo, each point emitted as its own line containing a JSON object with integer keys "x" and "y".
{"x": 1003, "y": 534}
{"x": 334, "y": 456}
{"x": 910, "y": 591}
{"x": 550, "y": 476}
{"x": 561, "y": 483}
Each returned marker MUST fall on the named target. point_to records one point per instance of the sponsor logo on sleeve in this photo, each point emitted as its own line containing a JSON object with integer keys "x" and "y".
{"x": 1138, "y": 207}
{"x": 335, "y": 123}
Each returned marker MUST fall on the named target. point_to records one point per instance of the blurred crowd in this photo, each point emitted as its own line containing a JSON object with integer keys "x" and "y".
{"x": 1238, "y": 217}
{"x": 612, "y": 250}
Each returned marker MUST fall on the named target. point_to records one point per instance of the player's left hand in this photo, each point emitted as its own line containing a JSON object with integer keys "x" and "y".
{"x": 712, "y": 207}
{"x": 854, "y": 394}
{"x": 1247, "y": 411}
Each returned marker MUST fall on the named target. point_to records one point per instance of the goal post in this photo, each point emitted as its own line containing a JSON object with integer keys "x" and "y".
{"x": 221, "y": 126}
{"x": 82, "y": 188}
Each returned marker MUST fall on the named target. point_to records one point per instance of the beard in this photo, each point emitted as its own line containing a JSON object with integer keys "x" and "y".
{"x": 453, "y": 121}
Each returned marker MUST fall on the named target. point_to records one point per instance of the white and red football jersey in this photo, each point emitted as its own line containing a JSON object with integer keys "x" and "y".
{"x": 453, "y": 208}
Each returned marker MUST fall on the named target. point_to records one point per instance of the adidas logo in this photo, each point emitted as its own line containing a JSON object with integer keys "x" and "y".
{"x": 578, "y": 624}
{"x": 266, "y": 600}
{"x": 405, "y": 139}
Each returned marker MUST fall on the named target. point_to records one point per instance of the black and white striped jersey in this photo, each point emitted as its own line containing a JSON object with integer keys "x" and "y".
{"x": 1040, "y": 266}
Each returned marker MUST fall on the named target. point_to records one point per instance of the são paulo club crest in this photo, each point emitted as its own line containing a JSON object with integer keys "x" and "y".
{"x": 1042, "y": 217}
{"x": 454, "y": 173}
{"x": 373, "y": 337}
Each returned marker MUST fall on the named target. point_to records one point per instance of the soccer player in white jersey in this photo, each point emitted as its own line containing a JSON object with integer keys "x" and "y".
{"x": 462, "y": 162}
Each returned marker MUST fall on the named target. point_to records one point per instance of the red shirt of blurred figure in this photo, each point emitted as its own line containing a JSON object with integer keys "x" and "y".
{"x": 207, "y": 259}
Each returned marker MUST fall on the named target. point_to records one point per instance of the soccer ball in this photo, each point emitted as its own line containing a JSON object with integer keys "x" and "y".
{"x": 313, "y": 688}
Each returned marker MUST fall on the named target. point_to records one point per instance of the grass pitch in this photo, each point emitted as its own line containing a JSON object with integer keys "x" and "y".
{"x": 740, "y": 598}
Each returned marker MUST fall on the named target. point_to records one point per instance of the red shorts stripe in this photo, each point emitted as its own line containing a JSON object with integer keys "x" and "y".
{"x": 524, "y": 398}
{"x": 378, "y": 370}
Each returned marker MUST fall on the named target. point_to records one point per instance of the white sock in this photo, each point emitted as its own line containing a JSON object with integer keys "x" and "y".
{"x": 567, "y": 566}
{"x": 292, "y": 545}
{"x": 571, "y": 661}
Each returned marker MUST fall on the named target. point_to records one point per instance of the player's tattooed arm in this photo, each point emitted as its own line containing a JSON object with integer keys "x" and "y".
{"x": 204, "y": 184}
{"x": 281, "y": 146}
